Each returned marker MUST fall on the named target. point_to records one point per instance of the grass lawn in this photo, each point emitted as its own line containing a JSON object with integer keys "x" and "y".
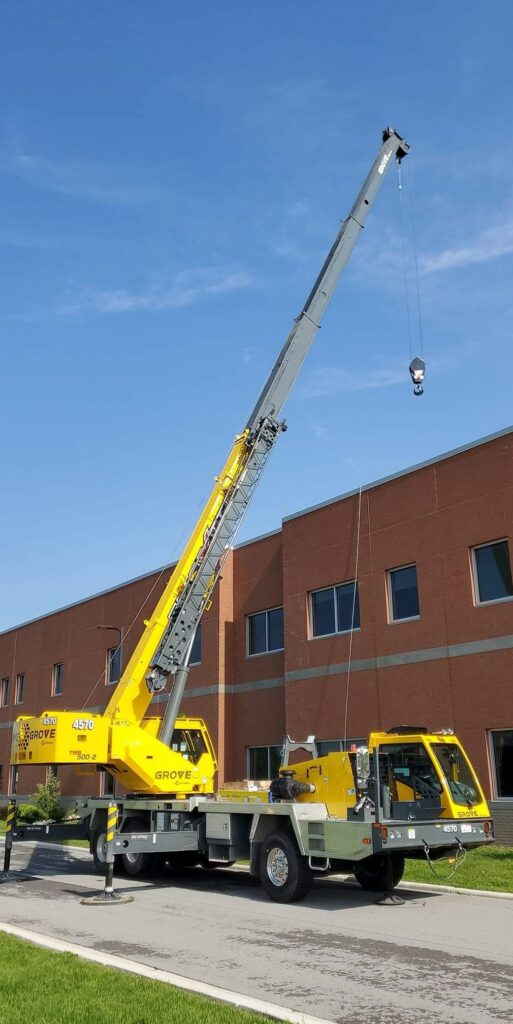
{"x": 59, "y": 988}
{"x": 487, "y": 868}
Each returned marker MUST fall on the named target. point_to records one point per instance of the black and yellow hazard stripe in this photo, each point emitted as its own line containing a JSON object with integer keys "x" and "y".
{"x": 11, "y": 814}
{"x": 112, "y": 817}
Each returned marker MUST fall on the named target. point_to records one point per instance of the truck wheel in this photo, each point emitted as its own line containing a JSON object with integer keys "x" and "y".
{"x": 284, "y": 873}
{"x": 135, "y": 864}
{"x": 371, "y": 873}
{"x": 97, "y": 847}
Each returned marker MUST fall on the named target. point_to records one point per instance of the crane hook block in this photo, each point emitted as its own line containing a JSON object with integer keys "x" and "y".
{"x": 417, "y": 372}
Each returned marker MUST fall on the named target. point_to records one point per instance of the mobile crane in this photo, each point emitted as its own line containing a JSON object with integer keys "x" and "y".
{"x": 333, "y": 807}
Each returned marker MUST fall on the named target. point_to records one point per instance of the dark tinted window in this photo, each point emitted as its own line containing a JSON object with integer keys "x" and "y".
{"x": 404, "y": 594}
{"x": 58, "y": 676}
{"x": 347, "y": 598}
{"x": 493, "y": 571}
{"x": 275, "y": 629}
{"x": 113, "y": 664}
{"x": 323, "y": 612}
{"x": 265, "y": 631}
{"x": 503, "y": 757}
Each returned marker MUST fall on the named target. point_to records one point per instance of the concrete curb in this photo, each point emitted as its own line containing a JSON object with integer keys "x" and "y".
{"x": 430, "y": 887}
{"x": 154, "y": 974}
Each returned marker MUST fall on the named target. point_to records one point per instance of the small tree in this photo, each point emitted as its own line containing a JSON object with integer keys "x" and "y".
{"x": 47, "y": 799}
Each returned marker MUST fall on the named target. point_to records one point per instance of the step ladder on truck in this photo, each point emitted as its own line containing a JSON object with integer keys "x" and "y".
{"x": 407, "y": 793}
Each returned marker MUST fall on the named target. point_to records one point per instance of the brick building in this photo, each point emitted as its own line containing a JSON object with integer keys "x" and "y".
{"x": 431, "y": 643}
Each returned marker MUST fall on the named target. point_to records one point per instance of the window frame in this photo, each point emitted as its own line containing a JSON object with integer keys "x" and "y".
{"x": 390, "y": 599}
{"x": 262, "y": 746}
{"x": 275, "y": 650}
{"x": 493, "y": 766}
{"x": 478, "y": 603}
{"x": 337, "y": 632}
{"x": 55, "y": 691}
{"x": 5, "y": 687}
{"x": 109, "y": 659}
{"x": 19, "y": 686}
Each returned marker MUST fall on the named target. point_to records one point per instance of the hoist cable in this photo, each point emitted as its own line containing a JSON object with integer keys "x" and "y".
{"x": 405, "y": 268}
{"x": 416, "y": 264}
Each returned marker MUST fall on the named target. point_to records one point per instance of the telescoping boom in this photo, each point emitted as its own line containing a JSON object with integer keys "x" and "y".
{"x": 135, "y": 749}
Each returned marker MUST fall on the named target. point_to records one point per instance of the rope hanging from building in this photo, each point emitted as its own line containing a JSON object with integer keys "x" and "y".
{"x": 353, "y": 611}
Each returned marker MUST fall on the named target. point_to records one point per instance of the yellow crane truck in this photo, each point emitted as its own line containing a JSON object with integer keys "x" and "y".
{"x": 408, "y": 793}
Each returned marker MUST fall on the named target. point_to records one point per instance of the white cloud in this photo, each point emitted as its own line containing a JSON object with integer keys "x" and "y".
{"x": 331, "y": 380}
{"x": 74, "y": 178}
{"x": 488, "y": 244}
{"x": 183, "y": 289}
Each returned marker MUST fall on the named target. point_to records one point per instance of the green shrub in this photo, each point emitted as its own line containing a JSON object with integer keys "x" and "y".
{"x": 27, "y": 813}
{"x": 47, "y": 800}
{"x": 3, "y": 812}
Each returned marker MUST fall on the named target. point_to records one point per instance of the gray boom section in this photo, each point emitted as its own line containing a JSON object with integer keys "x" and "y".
{"x": 289, "y": 362}
{"x": 263, "y": 426}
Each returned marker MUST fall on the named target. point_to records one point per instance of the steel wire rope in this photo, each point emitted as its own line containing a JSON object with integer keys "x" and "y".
{"x": 416, "y": 264}
{"x": 351, "y": 634}
{"x": 405, "y": 267}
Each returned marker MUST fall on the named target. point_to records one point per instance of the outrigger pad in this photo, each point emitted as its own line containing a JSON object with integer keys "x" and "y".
{"x": 389, "y": 899}
{"x": 106, "y": 899}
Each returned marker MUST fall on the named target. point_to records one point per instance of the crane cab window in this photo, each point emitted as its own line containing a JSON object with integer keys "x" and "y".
{"x": 190, "y": 743}
{"x": 411, "y": 767}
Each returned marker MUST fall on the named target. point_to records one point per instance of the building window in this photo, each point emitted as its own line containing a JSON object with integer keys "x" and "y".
{"x": 335, "y": 609}
{"x": 328, "y": 746}
{"x": 195, "y": 655}
{"x": 263, "y": 762}
{"x": 57, "y": 679}
{"x": 113, "y": 664}
{"x": 265, "y": 631}
{"x": 502, "y": 760}
{"x": 4, "y": 692}
{"x": 403, "y": 594}
{"x": 19, "y": 688}
{"x": 492, "y": 572}
{"x": 13, "y": 778}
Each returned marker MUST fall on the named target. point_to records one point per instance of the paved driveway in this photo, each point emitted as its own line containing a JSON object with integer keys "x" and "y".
{"x": 336, "y": 955}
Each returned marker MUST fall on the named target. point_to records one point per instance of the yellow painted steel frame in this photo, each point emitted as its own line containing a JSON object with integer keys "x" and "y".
{"x": 332, "y": 776}
{"x": 121, "y": 739}
{"x": 131, "y": 752}
{"x": 131, "y": 697}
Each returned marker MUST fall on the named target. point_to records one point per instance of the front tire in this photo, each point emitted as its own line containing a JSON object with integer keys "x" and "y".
{"x": 372, "y": 873}
{"x": 284, "y": 873}
{"x": 98, "y": 842}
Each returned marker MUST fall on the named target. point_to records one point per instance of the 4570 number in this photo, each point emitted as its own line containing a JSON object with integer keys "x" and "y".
{"x": 83, "y": 723}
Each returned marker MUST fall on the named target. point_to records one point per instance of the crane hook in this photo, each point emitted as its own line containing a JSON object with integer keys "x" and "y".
{"x": 417, "y": 373}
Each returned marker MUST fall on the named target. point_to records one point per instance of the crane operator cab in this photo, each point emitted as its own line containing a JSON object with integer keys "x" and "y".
{"x": 405, "y": 774}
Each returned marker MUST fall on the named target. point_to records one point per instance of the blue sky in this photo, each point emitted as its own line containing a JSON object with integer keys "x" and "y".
{"x": 172, "y": 176}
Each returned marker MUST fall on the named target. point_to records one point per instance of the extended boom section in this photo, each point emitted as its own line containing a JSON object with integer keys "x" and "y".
{"x": 138, "y": 750}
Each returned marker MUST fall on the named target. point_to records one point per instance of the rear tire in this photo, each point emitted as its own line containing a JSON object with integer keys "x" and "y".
{"x": 136, "y": 864}
{"x": 372, "y": 872}
{"x": 284, "y": 873}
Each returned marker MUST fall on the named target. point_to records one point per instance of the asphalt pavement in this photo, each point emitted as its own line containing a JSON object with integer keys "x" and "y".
{"x": 336, "y": 955}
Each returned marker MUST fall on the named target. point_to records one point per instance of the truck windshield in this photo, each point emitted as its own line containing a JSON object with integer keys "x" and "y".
{"x": 458, "y": 773}
{"x": 189, "y": 743}
{"x": 410, "y": 765}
